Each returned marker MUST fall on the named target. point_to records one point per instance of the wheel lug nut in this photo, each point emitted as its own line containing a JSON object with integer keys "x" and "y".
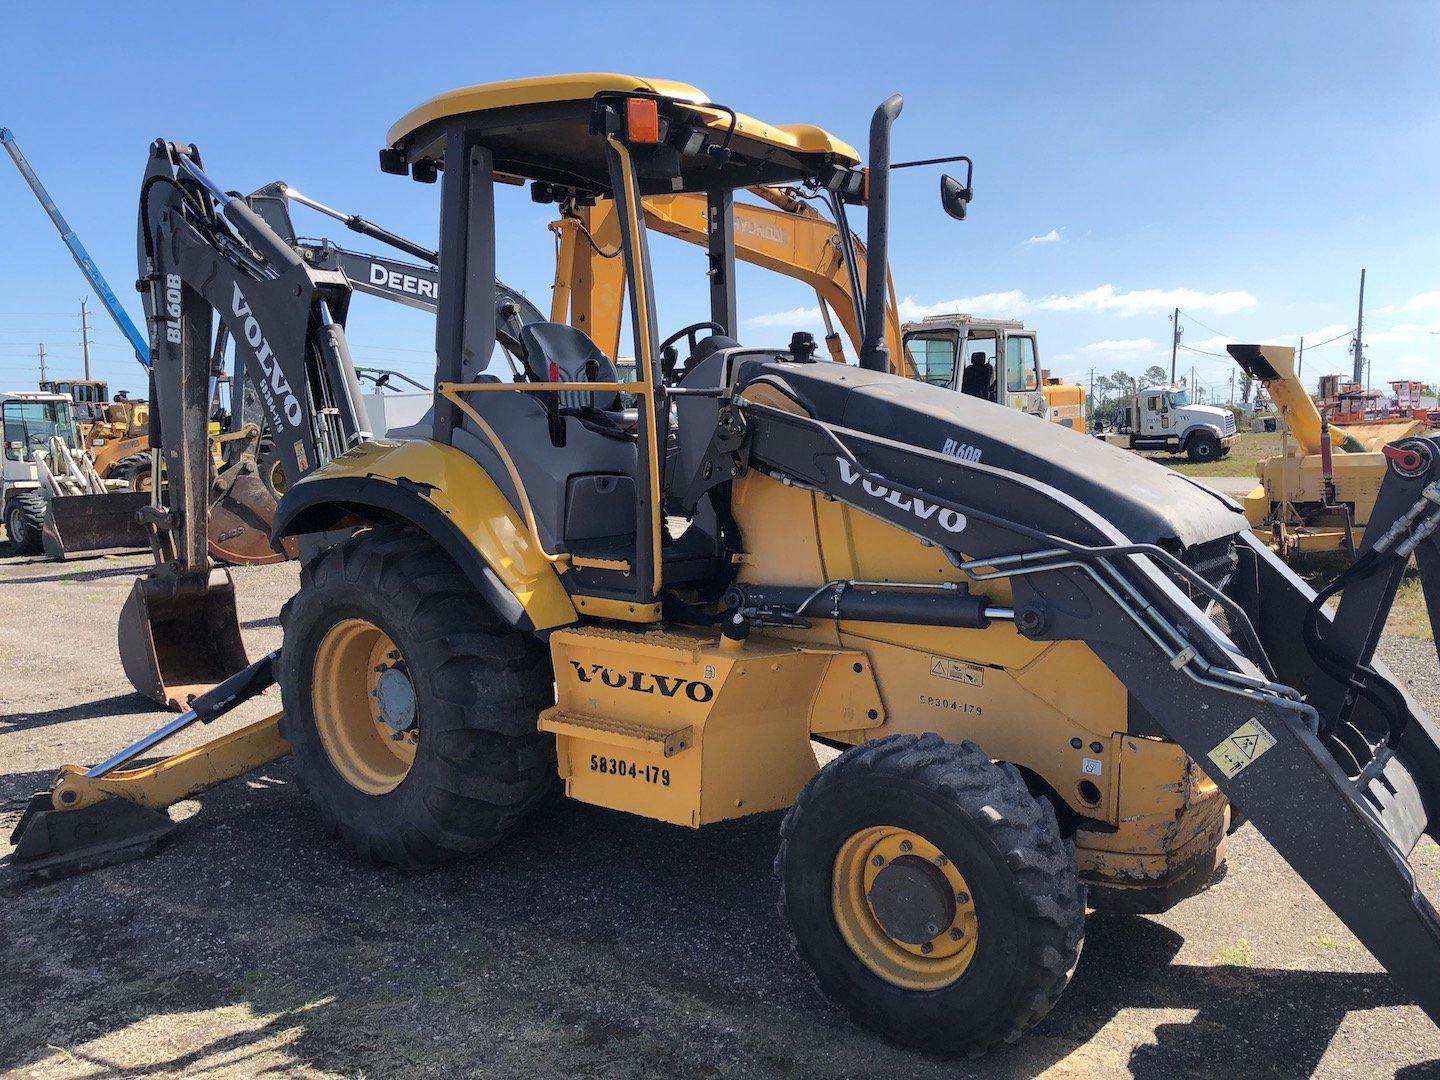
{"x": 905, "y": 845}
{"x": 939, "y": 860}
{"x": 927, "y": 948}
{"x": 878, "y": 860}
{"x": 956, "y": 934}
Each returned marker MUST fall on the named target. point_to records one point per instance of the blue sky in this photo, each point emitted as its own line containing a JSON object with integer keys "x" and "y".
{"x": 1241, "y": 161}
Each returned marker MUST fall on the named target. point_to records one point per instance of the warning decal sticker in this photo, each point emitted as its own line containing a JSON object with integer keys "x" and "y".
{"x": 1239, "y": 751}
{"x": 944, "y": 668}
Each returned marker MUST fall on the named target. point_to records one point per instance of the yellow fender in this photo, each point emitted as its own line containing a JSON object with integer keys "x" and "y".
{"x": 445, "y": 493}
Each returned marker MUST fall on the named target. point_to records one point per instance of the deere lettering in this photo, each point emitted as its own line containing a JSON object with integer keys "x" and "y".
{"x": 950, "y": 520}
{"x": 644, "y": 682}
{"x": 393, "y": 279}
{"x": 277, "y": 383}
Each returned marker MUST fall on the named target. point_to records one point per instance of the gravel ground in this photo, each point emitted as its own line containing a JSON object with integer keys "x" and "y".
{"x": 593, "y": 944}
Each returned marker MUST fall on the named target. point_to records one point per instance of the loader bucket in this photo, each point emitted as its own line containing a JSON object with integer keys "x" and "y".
{"x": 94, "y": 524}
{"x": 179, "y": 638}
{"x": 240, "y": 519}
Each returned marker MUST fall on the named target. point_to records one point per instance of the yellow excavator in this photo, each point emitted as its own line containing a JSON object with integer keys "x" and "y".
{"x": 1319, "y": 494}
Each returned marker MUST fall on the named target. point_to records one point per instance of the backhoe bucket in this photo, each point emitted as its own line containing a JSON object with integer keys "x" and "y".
{"x": 180, "y": 638}
{"x": 94, "y": 524}
{"x": 238, "y": 529}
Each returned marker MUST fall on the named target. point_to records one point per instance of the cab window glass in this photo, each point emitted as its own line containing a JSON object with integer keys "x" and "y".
{"x": 31, "y": 423}
{"x": 1021, "y": 370}
{"x": 933, "y": 357}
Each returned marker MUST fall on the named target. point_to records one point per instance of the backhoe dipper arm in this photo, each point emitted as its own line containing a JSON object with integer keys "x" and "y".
{"x": 286, "y": 321}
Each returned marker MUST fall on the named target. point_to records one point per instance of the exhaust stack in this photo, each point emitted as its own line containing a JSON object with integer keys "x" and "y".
{"x": 874, "y": 353}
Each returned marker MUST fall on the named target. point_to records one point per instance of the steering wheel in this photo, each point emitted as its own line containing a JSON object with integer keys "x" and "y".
{"x": 669, "y": 357}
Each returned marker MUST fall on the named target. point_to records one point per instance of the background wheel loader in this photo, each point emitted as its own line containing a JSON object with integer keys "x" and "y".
{"x": 1049, "y": 665}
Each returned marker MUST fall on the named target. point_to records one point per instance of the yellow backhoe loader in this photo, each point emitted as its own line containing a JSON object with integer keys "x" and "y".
{"x": 1051, "y": 668}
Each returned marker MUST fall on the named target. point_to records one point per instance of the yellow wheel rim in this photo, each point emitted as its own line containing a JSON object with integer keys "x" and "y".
{"x": 364, "y": 705}
{"x": 903, "y": 908}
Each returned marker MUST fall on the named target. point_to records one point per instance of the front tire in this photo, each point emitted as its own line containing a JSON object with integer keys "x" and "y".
{"x": 978, "y": 928}
{"x": 410, "y": 705}
{"x": 25, "y": 522}
{"x": 1202, "y": 446}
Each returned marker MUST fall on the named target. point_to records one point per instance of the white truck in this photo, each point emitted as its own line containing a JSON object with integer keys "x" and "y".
{"x": 1161, "y": 418}
{"x": 994, "y": 359}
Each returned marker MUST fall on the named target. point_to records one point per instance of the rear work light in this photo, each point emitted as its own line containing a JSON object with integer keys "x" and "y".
{"x": 642, "y": 120}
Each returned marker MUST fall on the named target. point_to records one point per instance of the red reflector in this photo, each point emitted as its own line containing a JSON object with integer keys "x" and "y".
{"x": 865, "y": 186}
{"x": 554, "y": 371}
{"x": 642, "y": 120}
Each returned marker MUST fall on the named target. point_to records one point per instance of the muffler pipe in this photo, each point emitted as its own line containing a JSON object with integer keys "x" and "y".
{"x": 874, "y": 352}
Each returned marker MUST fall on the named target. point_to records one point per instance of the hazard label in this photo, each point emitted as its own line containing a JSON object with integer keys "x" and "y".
{"x": 1239, "y": 751}
{"x": 944, "y": 668}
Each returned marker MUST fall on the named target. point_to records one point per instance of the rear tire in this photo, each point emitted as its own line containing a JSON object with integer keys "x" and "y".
{"x": 476, "y": 761}
{"x": 1024, "y": 906}
{"x": 25, "y": 522}
{"x": 1202, "y": 446}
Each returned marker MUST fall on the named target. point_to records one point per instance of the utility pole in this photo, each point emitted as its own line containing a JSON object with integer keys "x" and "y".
{"x": 1359, "y": 332}
{"x": 1232, "y": 389}
{"x": 1300, "y": 360}
{"x": 1174, "y": 342}
{"x": 85, "y": 336}
{"x": 44, "y": 375}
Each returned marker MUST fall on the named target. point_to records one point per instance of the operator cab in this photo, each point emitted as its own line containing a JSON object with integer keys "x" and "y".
{"x": 991, "y": 359}
{"x": 592, "y": 461}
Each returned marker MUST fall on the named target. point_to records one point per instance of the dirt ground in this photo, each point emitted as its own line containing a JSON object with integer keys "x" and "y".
{"x": 593, "y": 944}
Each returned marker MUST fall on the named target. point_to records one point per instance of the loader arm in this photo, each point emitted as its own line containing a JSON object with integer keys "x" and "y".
{"x": 1343, "y": 810}
{"x": 789, "y": 238}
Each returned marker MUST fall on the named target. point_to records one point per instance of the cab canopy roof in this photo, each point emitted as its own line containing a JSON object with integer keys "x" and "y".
{"x": 545, "y": 129}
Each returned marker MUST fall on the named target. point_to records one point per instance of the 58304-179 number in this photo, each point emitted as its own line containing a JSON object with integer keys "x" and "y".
{"x": 648, "y": 774}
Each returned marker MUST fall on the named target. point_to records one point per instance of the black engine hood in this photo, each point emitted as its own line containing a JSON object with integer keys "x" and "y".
{"x": 1145, "y": 501}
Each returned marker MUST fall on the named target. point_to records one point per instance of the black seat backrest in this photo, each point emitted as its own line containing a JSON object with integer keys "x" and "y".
{"x": 576, "y": 359}
{"x": 978, "y": 376}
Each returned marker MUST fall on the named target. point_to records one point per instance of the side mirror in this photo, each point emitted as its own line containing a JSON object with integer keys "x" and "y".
{"x": 954, "y": 197}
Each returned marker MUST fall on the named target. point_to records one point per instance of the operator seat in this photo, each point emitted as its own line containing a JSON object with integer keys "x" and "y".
{"x": 555, "y": 352}
{"x": 978, "y": 376}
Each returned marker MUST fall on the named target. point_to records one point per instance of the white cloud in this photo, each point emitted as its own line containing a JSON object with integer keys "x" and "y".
{"x": 1103, "y": 299}
{"x": 1005, "y": 304}
{"x": 1107, "y": 298}
{"x": 792, "y": 317}
{"x": 1424, "y": 299}
{"x": 1051, "y": 237}
{"x": 1121, "y": 346}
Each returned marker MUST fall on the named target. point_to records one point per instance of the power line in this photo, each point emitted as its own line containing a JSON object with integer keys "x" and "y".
{"x": 1202, "y": 352}
{"x": 1206, "y": 326}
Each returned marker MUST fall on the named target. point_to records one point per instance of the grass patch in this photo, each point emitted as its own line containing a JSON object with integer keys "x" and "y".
{"x": 1321, "y": 943}
{"x": 1248, "y": 449}
{"x": 1408, "y": 617}
{"x": 1241, "y": 954}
